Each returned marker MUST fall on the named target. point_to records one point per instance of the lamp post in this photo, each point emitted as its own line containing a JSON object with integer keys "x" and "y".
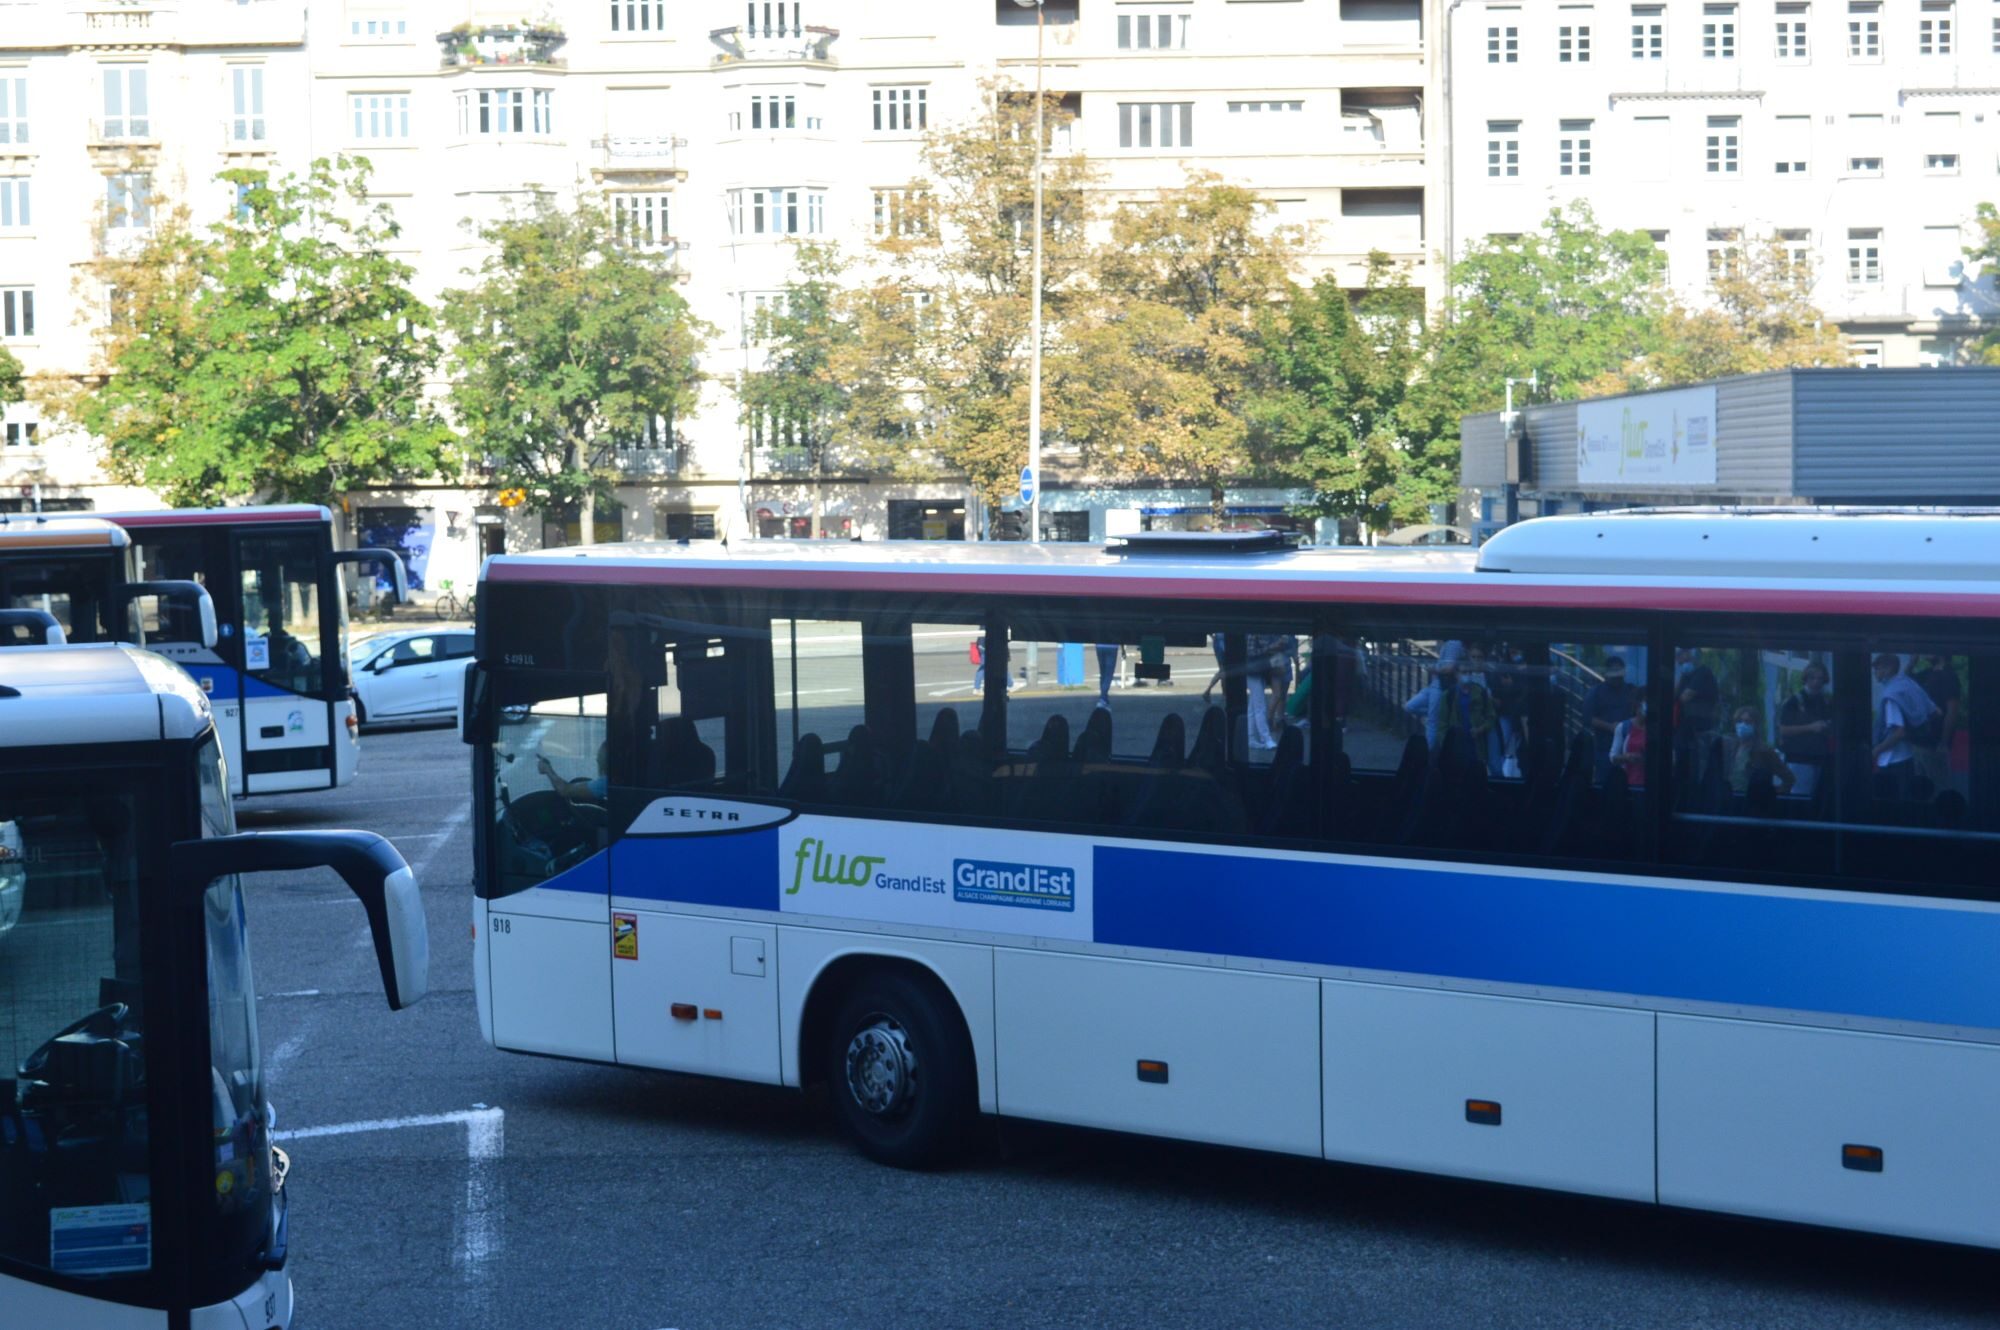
{"x": 1035, "y": 304}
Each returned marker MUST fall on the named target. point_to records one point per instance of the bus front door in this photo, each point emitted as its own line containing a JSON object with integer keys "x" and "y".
{"x": 287, "y": 637}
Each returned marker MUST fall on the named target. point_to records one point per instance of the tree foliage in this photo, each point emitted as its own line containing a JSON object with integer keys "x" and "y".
{"x": 569, "y": 341}
{"x": 1987, "y": 252}
{"x": 10, "y": 378}
{"x": 277, "y": 353}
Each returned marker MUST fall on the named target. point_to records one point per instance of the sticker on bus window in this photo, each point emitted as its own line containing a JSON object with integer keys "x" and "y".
{"x": 257, "y": 653}
{"x": 100, "y": 1239}
{"x": 625, "y": 937}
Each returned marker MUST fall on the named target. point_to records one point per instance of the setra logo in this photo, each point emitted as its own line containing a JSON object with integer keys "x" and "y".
{"x": 846, "y": 870}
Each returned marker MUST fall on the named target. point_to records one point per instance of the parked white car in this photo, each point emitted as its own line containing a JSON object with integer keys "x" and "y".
{"x": 407, "y": 677}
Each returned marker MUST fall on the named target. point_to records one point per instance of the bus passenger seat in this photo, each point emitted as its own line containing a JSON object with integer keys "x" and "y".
{"x": 679, "y": 755}
{"x": 1170, "y": 746}
{"x": 1208, "y": 752}
{"x": 1287, "y": 809}
{"x": 944, "y": 733}
{"x": 858, "y": 780}
{"x": 806, "y": 782}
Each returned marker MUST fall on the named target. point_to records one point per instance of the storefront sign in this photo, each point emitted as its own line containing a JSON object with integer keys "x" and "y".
{"x": 1657, "y": 439}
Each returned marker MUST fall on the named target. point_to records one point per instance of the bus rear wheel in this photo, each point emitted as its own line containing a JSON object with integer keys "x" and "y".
{"x": 901, "y": 1073}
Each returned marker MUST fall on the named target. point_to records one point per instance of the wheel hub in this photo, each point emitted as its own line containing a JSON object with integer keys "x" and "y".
{"x": 881, "y": 1068}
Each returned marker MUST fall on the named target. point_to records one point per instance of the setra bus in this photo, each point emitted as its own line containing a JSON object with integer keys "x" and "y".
{"x": 278, "y": 673}
{"x": 138, "y": 1183}
{"x": 1641, "y": 855}
{"x": 83, "y": 573}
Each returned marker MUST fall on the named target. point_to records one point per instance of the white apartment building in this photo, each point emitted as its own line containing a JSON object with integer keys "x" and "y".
{"x": 1862, "y": 134}
{"x": 720, "y": 129}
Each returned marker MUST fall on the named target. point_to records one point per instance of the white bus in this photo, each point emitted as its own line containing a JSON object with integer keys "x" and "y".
{"x": 1362, "y": 856}
{"x": 138, "y": 1183}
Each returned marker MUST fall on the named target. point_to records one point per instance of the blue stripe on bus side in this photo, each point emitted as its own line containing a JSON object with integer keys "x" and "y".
{"x": 737, "y": 871}
{"x": 1798, "y": 953}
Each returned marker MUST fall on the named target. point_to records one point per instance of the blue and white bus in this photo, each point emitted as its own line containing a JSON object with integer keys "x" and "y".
{"x": 1646, "y": 855}
{"x": 139, "y": 1186}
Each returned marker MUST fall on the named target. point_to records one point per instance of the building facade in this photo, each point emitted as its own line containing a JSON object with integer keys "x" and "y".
{"x": 722, "y": 132}
{"x": 1861, "y": 135}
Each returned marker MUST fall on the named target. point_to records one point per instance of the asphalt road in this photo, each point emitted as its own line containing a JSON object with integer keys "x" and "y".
{"x": 626, "y": 1200}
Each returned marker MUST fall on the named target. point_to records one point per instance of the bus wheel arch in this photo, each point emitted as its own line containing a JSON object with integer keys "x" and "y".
{"x": 892, "y": 1043}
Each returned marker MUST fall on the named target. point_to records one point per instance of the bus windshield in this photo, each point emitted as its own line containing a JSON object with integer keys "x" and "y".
{"x": 75, "y": 1182}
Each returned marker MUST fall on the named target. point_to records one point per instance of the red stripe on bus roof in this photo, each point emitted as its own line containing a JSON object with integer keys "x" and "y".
{"x": 216, "y": 519}
{"x": 1496, "y": 591}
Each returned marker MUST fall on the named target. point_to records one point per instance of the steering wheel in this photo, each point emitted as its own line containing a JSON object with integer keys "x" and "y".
{"x": 569, "y": 829}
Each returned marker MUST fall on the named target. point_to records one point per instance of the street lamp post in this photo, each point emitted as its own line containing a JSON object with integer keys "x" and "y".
{"x": 1035, "y": 304}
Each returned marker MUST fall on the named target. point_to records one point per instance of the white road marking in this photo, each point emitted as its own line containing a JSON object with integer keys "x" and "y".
{"x": 281, "y": 1056}
{"x": 477, "y": 1232}
{"x": 296, "y": 992}
{"x": 451, "y": 826}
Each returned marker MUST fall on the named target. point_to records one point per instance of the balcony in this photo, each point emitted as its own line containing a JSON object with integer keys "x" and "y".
{"x": 467, "y": 47}
{"x": 634, "y": 155}
{"x": 776, "y": 42}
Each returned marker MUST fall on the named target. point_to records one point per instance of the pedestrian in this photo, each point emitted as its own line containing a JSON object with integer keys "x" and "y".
{"x": 1904, "y": 707}
{"x": 1749, "y": 759}
{"x": 1609, "y": 704}
{"x": 1805, "y": 728}
{"x": 1628, "y": 748}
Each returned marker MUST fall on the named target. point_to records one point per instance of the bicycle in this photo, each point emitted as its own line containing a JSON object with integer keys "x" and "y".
{"x": 448, "y": 605}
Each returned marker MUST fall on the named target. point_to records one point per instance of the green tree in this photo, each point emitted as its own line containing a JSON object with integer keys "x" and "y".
{"x": 10, "y": 378}
{"x": 1162, "y": 365}
{"x": 1761, "y": 317}
{"x": 962, "y": 266}
{"x": 1330, "y": 406}
{"x": 278, "y": 353}
{"x": 1987, "y": 252}
{"x": 569, "y": 341}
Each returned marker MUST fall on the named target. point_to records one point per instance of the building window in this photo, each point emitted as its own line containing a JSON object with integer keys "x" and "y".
{"x": 128, "y": 200}
{"x": 638, "y": 15}
{"x": 17, "y": 311}
{"x": 1503, "y": 149}
{"x": 246, "y": 103}
{"x": 1864, "y": 30}
{"x": 1156, "y": 124}
{"x": 1659, "y": 239}
{"x": 125, "y": 113}
{"x": 382, "y": 28}
{"x": 1725, "y": 255}
{"x": 21, "y": 433}
{"x": 1867, "y": 355}
{"x": 1941, "y": 163}
{"x": 1793, "y": 141}
{"x": 1723, "y": 145}
{"x": 1649, "y": 32}
{"x": 1934, "y": 28}
{"x": 901, "y": 110}
{"x": 1573, "y": 43}
{"x": 1274, "y": 108}
{"x": 902, "y": 212}
{"x": 640, "y": 220}
{"x": 1718, "y": 32}
{"x": 782, "y": 210}
{"x": 774, "y": 110}
{"x": 1864, "y": 256}
{"x": 14, "y": 213}
{"x": 1792, "y": 32}
{"x": 1503, "y": 46}
{"x": 14, "y": 101}
{"x": 756, "y": 310}
{"x": 772, "y": 18}
{"x": 1996, "y": 51}
{"x": 506, "y": 111}
{"x": 380, "y": 115}
{"x": 1573, "y": 148}
{"x": 1795, "y": 254}
{"x": 656, "y": 435}
{"x": 1165, "y": 31}
{"x": 1942, "y": 142}
{"x": 687, "y": 526}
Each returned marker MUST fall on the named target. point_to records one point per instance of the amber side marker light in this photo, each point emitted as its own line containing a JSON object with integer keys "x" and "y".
{"x": 1861, "y": 1158}
{"x": 683, "y": 1011}
{"x": 711, "y": 1013}
{"x": 1485, "y": 1112}
{"x": 1151, "y": 1072}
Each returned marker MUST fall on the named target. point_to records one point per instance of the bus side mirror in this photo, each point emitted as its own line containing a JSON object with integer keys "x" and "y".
{"x": 371, "y": 867}
{"x": 30, "y": 628}
{"x": 190, "y": 596}
{"x": 475, "y": 712}
{"x": 392, "y": 560}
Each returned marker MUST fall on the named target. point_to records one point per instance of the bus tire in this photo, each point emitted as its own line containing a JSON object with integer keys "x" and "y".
{"x": 900, "y": 1071}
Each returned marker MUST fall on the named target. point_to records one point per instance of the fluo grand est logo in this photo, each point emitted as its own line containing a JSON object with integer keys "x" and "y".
{"x": 816, "y": 861}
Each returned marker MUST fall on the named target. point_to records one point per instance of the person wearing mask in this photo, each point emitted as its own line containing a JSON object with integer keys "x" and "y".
{"x": 1628, "y": 748}
{"x": 1749, "y": 758}
{"x": 1605, "y": 707}
{"x": 1805, "y": 727}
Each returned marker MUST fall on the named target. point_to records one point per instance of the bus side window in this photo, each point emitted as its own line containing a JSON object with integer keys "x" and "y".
{"x": 551, "y": 776}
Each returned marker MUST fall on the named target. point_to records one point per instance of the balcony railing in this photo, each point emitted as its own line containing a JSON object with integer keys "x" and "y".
{"x": 469, "y": 48}
{"x": 773, "y": 42}
{"x": 627, "y": 152}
